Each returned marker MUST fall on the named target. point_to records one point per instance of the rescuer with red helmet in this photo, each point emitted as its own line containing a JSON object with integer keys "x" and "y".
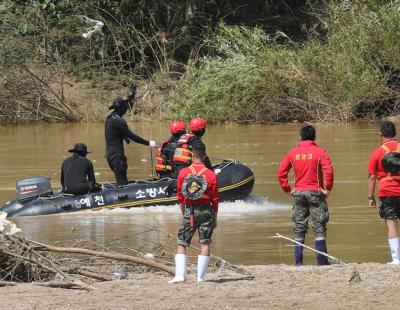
{"x": 183, "y": 152}
{"x": 165, "y": 153}
{"x": 198, "y": 126}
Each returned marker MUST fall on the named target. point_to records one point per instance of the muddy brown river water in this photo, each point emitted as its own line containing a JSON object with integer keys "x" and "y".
{"x": 355, "y": 232}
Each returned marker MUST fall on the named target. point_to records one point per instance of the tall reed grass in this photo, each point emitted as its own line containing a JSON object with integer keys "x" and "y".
{"x": 339, "y": 73}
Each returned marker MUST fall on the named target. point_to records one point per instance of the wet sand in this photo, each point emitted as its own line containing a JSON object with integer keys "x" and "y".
{"x": 273, "y": 286}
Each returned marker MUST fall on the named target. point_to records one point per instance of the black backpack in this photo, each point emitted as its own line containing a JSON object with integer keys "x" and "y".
{"x": 391, "y": 160}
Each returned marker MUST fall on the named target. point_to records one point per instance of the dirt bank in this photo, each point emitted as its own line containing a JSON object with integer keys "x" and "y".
{"x": 274, "y": 286}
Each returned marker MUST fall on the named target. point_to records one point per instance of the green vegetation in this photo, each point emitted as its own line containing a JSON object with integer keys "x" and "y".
{"x": 346, "y": 69}
{"x": 226, "y": 60}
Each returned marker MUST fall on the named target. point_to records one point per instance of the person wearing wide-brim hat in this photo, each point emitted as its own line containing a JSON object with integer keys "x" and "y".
{"x": 116, "y": 131}
{"x": 77, "y": 173}
{"x": 79, "y": 148}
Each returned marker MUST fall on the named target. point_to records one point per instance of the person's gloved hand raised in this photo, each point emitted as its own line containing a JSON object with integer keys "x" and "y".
{"x": 153, "y": 144}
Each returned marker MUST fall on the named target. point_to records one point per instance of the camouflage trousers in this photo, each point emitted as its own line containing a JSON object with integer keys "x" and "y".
{"x": 306, "y": 203}
{"x": 204, "y": 223}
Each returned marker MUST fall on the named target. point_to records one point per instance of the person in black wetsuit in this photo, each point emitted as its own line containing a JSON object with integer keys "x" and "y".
{"x": 183, "y": 153}
{"x": 77, "y": 173}
{"x": 117, "y": 130}
{"x": 165, "y": 154}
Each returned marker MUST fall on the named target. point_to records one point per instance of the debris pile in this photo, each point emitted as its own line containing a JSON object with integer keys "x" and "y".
{"x": 26, "y": 261}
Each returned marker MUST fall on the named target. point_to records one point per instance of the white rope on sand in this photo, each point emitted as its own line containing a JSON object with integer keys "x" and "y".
{"x": 307, "y": 247}
{"x": 355, "y": 276}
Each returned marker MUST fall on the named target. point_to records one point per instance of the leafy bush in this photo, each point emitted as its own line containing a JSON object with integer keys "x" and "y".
{"x": 341, "y": 72}
{"x": 346, "y": 64}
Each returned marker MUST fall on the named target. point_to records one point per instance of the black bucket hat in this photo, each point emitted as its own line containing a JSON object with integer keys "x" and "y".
{"x": 79, "y": 148}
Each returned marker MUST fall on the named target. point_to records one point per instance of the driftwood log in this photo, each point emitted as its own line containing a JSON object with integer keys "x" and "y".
{"x": 90, "y": 274}
{"x": 111, "y": 255}
{"x": 7, "y": 283}
{"x": 46, "y": 263}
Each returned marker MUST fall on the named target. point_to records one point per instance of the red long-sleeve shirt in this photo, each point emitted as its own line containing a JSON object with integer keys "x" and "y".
{"x": 310, "y": 163}
{"x": 389, "y": 187}
{"x": 211, "y": 191}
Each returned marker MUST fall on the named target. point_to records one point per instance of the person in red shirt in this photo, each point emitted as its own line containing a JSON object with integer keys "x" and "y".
{"x": 389, "y": 187}
{"x": 313, "y": 182}
{"x": 198, "y": 199}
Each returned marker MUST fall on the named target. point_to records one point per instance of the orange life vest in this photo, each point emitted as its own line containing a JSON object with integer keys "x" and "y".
{"x": 162, "y": 164}
{"x": 183, "y": 154}
{"x": 389, "y": 175}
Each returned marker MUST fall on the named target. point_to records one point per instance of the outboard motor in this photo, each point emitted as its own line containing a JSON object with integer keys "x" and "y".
{"x": 28, "y": 189}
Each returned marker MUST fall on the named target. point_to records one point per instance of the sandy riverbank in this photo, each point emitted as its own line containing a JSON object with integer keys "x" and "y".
{"x": 273, "y": 286}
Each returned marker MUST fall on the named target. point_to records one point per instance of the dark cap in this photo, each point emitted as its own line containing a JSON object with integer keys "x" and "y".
{"x": 117, "y": 102}
{"x": 79, "y": 148}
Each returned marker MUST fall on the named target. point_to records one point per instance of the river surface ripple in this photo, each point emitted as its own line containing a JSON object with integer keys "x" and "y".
{"x": 355, "y": 232}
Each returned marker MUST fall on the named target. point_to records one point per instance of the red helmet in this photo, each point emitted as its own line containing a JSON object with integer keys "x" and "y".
{"x": 177, "y": 126}
{"x": 198, "y": 124}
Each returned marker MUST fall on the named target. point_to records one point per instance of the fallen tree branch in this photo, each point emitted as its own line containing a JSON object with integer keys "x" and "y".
{"x": 67, "y": 109}
{"x": 90, "y": 274}
{"x": 53, "y": 267}
{"x": 55, "y": 284}
{"x": 30, "y": 260}
{"x": 111, "y": 255}
{"x": 7, "y": 283}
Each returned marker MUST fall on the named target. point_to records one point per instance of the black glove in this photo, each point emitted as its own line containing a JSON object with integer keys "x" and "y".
{"x": 132, "y": 95}
{"x": 133, "y": 89}
{"x": 94, "y": 187}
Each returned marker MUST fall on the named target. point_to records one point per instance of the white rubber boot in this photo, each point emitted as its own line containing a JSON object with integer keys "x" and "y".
{"x": 395, "y": 251}
{"x": 202, "y": 265}
{"x": 180, "y": 268}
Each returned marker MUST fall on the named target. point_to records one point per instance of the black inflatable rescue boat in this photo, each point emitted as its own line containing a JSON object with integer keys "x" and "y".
{"x": 35, "y": 195}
